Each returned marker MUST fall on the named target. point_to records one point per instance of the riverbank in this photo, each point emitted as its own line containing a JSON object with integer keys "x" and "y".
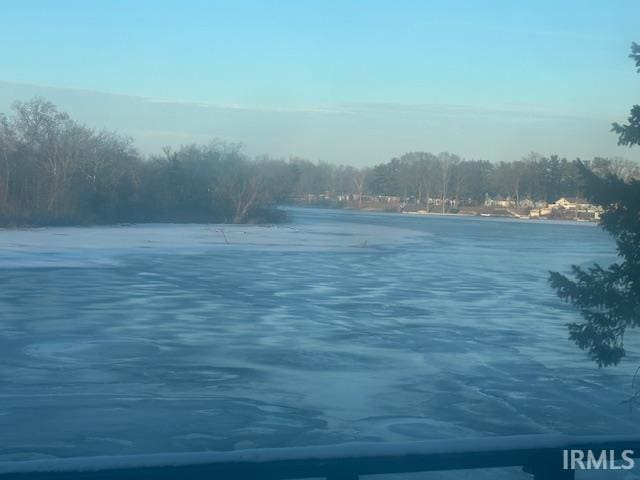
{"x": 495, "y": 215}
{"x": 478, "y": 212}
{"x": 263, "y": 215}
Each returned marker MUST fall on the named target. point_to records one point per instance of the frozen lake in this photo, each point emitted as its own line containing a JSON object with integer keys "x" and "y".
{"x": 341, "y": 326}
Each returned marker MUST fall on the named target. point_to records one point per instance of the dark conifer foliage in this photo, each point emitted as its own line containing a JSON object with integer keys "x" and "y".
{"x": 609, "y": 298}
{"x": 629, "y": 134}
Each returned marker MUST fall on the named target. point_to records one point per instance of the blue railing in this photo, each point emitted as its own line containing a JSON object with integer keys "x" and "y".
{"x": 543, "y": 456}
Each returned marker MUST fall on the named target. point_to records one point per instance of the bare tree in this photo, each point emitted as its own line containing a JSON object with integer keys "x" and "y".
{"x": 447, "y": 162}
{"x": 7, "y": 148}
{"x": 359, "y": 179}
{"x": 240, "y": 183}
{"x": 55, "y": 141}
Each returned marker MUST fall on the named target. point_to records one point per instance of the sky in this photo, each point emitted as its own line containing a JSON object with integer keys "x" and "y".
{"x": 340, "y": 81}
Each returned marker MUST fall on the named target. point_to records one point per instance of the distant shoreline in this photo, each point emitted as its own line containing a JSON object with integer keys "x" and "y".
{"x": 458, "y": 215}
{"x": 490, "y": 215}
{"x": 287, "y": 219}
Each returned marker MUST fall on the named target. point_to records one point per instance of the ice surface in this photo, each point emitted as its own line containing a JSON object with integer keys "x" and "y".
{"x": 339, "y": 327}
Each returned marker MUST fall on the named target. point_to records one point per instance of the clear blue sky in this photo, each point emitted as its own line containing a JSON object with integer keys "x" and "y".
{"x": 564, "y": 56}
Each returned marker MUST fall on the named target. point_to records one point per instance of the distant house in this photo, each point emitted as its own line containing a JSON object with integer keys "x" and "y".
{"x": 573, "y": 203}
{"x": 437, "y": 201}
{"x": 540, "y": 212}
{"x": 499, "y": 201}
{"x": 506, "y": 203}
{"x": 527, "y": 203}
{"x": 546, "y": 211}
{"x": 347, "y": 197}
{"x": 566, "y": 203}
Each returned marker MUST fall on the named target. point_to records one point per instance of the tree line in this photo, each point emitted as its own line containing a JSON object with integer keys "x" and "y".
{"x": 54, "y": 170}
{"x": 421, "y": 175}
